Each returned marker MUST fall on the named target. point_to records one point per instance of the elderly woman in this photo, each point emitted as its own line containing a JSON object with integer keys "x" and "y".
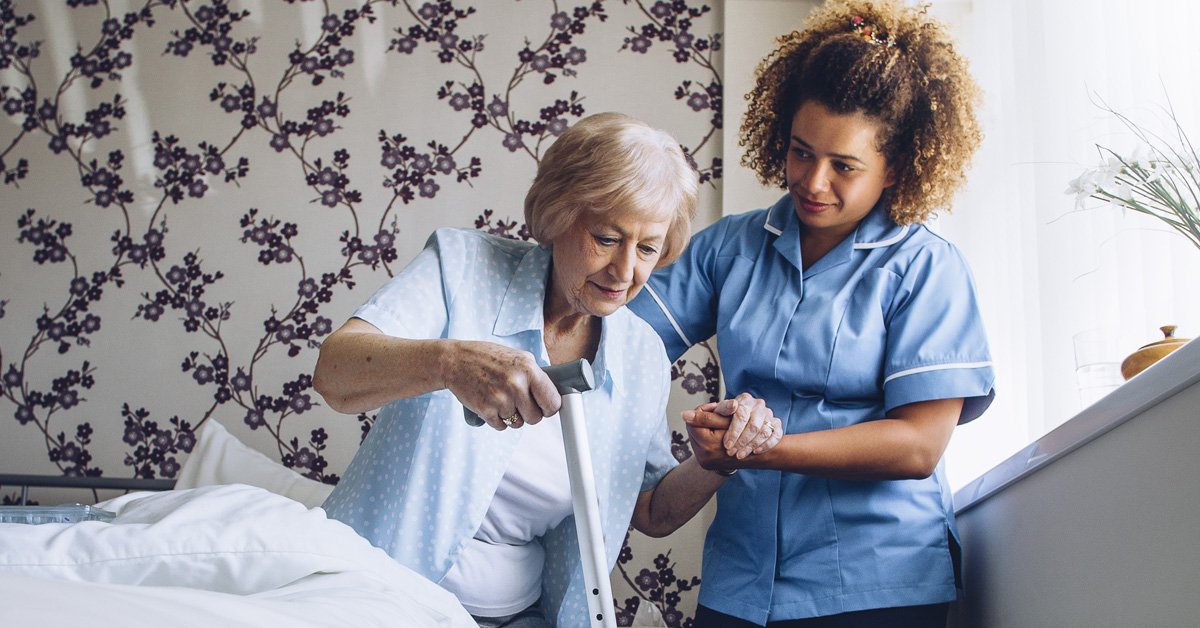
{"x": 470, "y": 322}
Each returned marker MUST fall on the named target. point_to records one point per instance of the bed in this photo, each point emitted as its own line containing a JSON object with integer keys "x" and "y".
{"x": 239, "y": 541}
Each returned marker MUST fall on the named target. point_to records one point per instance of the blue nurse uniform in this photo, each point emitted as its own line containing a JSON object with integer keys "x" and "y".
{"x": 887, "y": 318}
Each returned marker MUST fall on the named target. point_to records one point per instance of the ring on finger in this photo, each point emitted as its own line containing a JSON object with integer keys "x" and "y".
{"x": 513, "y": 420}
{"x": 770, "y": 428}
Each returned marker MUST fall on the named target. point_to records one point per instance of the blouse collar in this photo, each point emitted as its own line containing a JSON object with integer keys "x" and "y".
{"x": 529, "y": 283}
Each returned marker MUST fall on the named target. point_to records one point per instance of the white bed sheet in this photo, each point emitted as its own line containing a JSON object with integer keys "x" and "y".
{"x": 230, "y": 555}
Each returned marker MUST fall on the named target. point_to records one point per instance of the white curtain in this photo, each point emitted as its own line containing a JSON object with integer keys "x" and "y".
{"x": 1068, "y": 292}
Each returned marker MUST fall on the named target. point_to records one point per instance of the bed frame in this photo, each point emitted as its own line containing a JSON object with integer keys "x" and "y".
{"x": 76, "y": 481}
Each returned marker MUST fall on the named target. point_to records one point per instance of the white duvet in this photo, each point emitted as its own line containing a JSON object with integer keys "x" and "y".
{"x": 230, "y": 555}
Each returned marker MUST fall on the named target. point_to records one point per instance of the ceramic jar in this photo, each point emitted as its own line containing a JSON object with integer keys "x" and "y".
{"x": 1139, "y": 360}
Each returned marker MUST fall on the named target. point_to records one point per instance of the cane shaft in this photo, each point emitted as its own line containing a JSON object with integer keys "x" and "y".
{"x": 587, "y": 513}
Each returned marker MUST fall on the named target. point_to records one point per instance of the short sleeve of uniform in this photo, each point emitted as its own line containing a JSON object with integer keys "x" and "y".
{"x": 936, "y": 345}
{"x": 680, "y": 300}
{"x": 659, "y": 459}
{"x": 413, "y": 304}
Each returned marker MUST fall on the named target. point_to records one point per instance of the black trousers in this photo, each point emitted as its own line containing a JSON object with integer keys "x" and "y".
{"x": 930, "y": 616}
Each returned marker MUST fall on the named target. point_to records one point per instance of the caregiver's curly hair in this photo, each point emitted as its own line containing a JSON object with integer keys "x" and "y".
{"x": 894, "y": 64}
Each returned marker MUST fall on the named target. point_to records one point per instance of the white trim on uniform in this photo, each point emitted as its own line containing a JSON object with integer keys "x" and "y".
{"x": 662, "y": 306}
{"x": 770, "y": 227}
{"x": 888, "y": 242}
{"x": 938, "y": 367}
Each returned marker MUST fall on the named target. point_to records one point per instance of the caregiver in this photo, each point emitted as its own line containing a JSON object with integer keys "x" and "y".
{"x": 849, "y": 319}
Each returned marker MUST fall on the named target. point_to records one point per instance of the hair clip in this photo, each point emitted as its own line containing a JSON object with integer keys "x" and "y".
{"x": 870, "y": 32}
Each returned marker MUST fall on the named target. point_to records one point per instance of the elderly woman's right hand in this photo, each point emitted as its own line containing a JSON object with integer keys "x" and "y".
{"x": 498, "y": 382}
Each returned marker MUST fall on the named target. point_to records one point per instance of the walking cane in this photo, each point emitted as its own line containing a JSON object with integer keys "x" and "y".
{"x": 573, "y": 379}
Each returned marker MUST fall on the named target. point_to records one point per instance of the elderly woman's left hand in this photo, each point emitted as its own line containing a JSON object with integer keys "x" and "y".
{"x": 744, "y": 424}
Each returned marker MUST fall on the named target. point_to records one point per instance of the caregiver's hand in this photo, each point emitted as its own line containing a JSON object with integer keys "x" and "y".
{"x": 708, "y": 443}
{"x": 746, "y": 425}
{"x": 504, "y": 386}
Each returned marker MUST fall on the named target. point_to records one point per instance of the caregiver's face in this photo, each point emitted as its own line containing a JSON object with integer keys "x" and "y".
{"x": 834, "y": 172}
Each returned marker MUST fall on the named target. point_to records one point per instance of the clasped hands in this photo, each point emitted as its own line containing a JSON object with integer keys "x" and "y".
{"x": 508, "y": 389}
{"x": 726, "y": 432}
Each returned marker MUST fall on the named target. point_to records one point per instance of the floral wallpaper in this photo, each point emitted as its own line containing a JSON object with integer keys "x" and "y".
{"x": 196, "y": 192}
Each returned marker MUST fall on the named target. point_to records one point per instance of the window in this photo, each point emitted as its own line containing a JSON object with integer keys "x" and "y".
{"x": 1068, "y": 293}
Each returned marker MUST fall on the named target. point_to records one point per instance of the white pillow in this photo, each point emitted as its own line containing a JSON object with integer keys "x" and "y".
{"x": 232, "y": 538}
{"x": 286, "y": 564}
{"x": 220, "y": 458}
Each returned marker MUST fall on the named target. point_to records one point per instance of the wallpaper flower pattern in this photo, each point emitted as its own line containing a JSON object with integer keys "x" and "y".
{"x": 198, "y": 186}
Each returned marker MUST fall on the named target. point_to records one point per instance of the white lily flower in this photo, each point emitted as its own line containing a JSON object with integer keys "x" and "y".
{"x": 1158, "y": 177}
{"x": 1142, "y": 157}
{"x": 1123, "y": 194}
{"x": 1082, "y": 186}
{"x": 1158, "y": 170}
{"x": 1108, "y": 177}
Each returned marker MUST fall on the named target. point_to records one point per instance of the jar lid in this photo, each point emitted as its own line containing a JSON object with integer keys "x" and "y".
{"x": 1168, "y": 338}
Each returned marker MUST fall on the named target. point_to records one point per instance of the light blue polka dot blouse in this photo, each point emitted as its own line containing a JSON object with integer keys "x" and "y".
{"x": 421, "y": 483}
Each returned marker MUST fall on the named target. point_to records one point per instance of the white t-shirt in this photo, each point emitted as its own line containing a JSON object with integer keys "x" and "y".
{"x": 500, "y": 570}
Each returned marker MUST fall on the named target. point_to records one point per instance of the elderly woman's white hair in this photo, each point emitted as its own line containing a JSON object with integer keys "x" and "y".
{"x": 610, "y": 163}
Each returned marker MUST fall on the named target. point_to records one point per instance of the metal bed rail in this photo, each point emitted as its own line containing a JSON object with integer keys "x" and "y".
{"x": 84, "y": 482}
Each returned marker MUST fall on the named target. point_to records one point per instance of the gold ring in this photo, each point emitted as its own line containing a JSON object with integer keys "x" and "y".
{"x": 513, "y": 420}
{"x": 771, "y": 431}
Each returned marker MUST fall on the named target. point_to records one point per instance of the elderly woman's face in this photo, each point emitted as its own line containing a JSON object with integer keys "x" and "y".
{"x": 602, "y": 262}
